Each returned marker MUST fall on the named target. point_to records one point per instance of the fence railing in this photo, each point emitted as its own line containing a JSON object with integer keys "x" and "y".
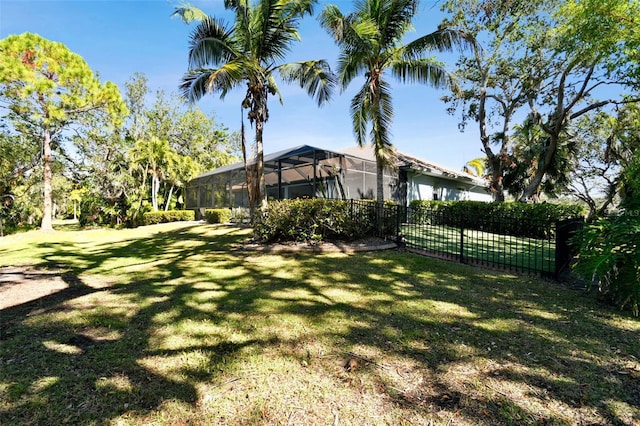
{"x": 521, "y": 245}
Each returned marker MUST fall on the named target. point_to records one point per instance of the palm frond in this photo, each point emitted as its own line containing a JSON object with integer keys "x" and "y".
{"x": 313, "y": 76}
{"x": 332, "y": 20}
{"x": 478, "y": 165}
{"x": 211, "y": 43}
{"x": 361, "y": 113}
{"x": 442, "y": 40}
{"x": 382, "y": 119}
{"x": 394, "y": 19}
{"x": 423, "y": 71}
{"x": 197, "y": 83}
{"x": 189, "y": 13}
{"x": 349, "y": 67}
{"x": 277, "y": 23}
{"x": 349, "y": 32}
{"x": 273, "y": 87}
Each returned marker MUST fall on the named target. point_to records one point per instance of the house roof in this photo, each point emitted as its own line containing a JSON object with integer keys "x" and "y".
{"x": 302, "y": 153}
{"x": 407, "y": 162}
{"x": 290, "y": 156}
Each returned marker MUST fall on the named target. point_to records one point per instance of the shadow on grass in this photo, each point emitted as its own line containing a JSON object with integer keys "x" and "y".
{"x": 534, "y": 350}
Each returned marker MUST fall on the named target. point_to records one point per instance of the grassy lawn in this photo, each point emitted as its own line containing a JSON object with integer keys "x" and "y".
{"x": 176, "y": 324}
{"x": 521, "y": 254}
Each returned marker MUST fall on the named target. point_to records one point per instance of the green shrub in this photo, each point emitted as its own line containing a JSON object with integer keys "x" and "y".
{"x": 217, "y": 215}
{"x": 151, "y": 218}
{"x": 517, "y": 219}
{"x": 609, "y": 258}
{"x": 315, "y": 220}
{"x": 609, "y": 248}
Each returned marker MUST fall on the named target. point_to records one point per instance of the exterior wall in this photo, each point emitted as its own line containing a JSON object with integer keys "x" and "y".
{"x": 425, "y": 187}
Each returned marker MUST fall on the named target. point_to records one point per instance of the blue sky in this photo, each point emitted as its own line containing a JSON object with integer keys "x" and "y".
{"x": 119, "y": 38}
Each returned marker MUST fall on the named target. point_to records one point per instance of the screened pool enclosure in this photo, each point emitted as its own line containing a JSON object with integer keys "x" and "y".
{"x": 300, "y": 172}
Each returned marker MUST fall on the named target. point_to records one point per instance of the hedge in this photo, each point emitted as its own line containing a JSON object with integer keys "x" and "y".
{"x": 151, "y": 218}
{"x": 217, "y": 215}
{"x": 517, "y": 219}
{"x": 315, "y": 220}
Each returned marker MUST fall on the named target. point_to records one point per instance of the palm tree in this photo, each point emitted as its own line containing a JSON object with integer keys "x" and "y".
{"x": 476, "y": 167}
{"x": 370, "y": 40}
{"x": 250, "y": 52}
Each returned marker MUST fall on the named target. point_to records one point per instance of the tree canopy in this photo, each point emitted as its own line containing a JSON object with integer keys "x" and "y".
{"x": 46, "y": 89}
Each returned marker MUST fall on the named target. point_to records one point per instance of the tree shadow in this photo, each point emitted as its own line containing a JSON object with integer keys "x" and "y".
{"x": 116, "y": 337}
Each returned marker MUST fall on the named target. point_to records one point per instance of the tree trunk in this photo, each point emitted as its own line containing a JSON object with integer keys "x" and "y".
{"x": 496, "y": 185}
{"x": 254, "y": 167}
{"x": 379, "y": 180}
{"x": 261, "y": 191}
{"x": 47, "y": 211}
{"x": 379, "y": 196}
{"x": 531, "y": 191}
{"x": 495, "y": 162}
{"x": 155, "y": 184}
{"x": 166, "y": 205}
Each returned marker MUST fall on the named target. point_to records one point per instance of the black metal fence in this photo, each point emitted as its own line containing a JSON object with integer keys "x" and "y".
{"x": 539, "y": 247}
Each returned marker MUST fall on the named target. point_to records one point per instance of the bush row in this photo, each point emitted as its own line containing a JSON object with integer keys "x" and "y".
{"x": 517, "y": 219}
{"x": 217, "y": 215}
{"x": 315, "y": 220}
{"x": 151, "y": 218}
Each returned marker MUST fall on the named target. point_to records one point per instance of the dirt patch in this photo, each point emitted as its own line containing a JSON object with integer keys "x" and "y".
{"x": 27, "y": 286}
{"x": 19, "y": 284}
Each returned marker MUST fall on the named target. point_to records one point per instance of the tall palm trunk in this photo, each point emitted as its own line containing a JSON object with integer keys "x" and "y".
{"x": 155, "y": 187}
{"x": 47, "y": 214}
{"x": 166, "y": 205}
{"x": 254, "y": 163}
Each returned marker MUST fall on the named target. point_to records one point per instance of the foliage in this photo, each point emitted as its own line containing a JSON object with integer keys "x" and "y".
{"x": 217, "y": 215}
{"x": 47, "y": 89}
{"x": 370, "y": 42}
{"x": 591, "y": 44}
{"x": 606, "y": 146}
{"x": 609, "y": 248}
{"x": 152, "y": 218}
{"x": 314, "y": 220}
{"x": 146, "y": 163}
{"x": 476, "y": 167}
{"x": 553, "y": 57}
{"x": 95, "y": 209}
{"x": 248, "y": 54}
{"x": 492, "y": 87}
{"x": 609, "y": 258}
{"x": 517, "y": 219}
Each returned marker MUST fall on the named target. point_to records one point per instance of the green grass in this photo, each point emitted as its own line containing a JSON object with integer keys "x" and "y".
{"x": 522, "y": 254}
{"x": 176, "y": 324}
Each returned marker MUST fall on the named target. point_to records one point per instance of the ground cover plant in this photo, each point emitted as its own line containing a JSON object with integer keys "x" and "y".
{"x": 179, "y": 324}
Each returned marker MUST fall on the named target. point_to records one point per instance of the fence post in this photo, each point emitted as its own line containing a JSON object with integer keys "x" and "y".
{"x": 462, "y": 238}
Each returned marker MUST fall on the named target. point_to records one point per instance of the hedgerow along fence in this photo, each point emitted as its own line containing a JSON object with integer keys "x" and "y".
{"x": 534, "y": 246}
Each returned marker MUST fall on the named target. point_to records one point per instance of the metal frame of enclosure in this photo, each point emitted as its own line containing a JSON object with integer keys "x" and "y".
{"x": 300, "y": 172}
